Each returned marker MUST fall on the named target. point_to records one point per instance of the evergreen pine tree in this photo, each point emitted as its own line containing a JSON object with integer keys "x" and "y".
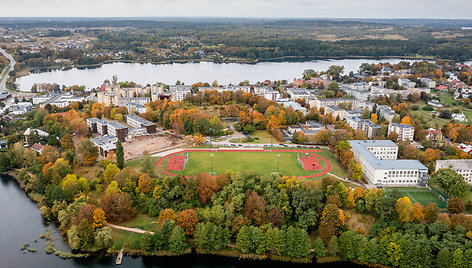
{"x": 177, "y": 240}
{"x": 319, "y": 248}
{"x": 120, "y": 155}
{"x": 332, "y": 248}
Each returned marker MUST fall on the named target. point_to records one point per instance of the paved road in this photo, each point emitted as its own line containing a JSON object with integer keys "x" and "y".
{"x": 12, "y": 66}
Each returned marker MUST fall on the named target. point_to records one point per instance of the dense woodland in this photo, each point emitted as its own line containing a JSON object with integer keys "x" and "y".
{"x": 243, "y": 40}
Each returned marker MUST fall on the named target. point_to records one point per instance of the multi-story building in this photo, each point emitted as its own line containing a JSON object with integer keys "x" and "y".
{"x": 117, "y": 129}
{"x": 380, "y": 165}
{"x": 405, "y": 132}
{"x": 322, "y": 103}
{"x": 461, "y": 166}
{"x": 370, "y": 128}
{"x": 105, "y": 144}
{"x": 138, "y": 122}
{"x": 335, "y": 111}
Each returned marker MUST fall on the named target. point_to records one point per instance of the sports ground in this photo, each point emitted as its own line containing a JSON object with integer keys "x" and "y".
{"x": 422, "y": 196}
{"x": 303, "y": 163}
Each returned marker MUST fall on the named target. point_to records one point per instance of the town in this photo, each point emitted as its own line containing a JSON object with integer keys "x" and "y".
{"x": 371, "y": 166}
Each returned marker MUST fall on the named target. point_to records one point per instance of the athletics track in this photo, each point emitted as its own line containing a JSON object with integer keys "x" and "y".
{"x": 308, "y": 151}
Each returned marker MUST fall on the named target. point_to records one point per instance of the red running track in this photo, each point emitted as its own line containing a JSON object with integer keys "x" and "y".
{"x": 309, "y": 151}
{"x": 310, "y": 163}
{"x": 176, "y": 162}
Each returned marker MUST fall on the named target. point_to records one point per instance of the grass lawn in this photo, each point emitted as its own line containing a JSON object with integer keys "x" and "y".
{"x": 421, "y": 195}
{"x": 136, "y": 163}
{"x": 142, "y": 221}
{"x": 121, "y": 238}
{"x": 260, "y": 162}
{"x": 259, "y": 136}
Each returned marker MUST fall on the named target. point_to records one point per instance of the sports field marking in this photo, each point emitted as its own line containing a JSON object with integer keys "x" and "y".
{"x": 301, "y": 151}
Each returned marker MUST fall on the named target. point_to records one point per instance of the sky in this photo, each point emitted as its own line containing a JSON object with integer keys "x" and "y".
{"x": 450, "y": 9}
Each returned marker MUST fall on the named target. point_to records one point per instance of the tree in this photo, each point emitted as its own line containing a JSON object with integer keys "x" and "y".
{"x": 393, "y": 136}
{"x": 148, "y": 165}
{"x": 86, "y": 234}
{"x": 74, "y": 238}
{"x": 207, "y": 187}
{"x": 332, "y": 249}
{"x": 455, "y": 205}
{"x": 145, "y": 183}
{"x": 451, "y": 182}
{"x": 457, "y": 259}
{"x": 255, "y": 209}
{"x": 110, "y": 172}
{"x": 431, "y": 213}
{"x": 120, "y": 160}
{"x": 331, "y": 221}
{"x": 188, "y": 220}
{"x": 88, "y": 152}
{"x": 403, "y": 207}
{"x": 99, "y": 219}
{"x": 319, "y": 248}
{"x": 374, "y": 118}
{"x": 443, "y": 258}
{"x": 177, "y": 240}
{"x": 406, "y": 120}
{"x": 103, "y": 237}
{"x": 118, "y": 206}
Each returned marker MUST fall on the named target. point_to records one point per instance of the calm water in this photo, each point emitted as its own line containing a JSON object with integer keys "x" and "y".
{"x": 21, "y": 222}
{"x": 189, "y": 73}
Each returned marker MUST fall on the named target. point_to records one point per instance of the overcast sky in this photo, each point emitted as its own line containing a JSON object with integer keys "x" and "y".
{"x": 453, "y": 9}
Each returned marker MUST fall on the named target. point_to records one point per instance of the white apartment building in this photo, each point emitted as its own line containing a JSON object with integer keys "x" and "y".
{"x": 380, "y": 165}
{"x": 461, "y": 166}
{"x": 405, "y": 132}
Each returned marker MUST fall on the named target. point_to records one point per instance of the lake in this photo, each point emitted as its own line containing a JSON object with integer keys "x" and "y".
{"x": 21, "y": 222}
{"x": 189, "y": 73}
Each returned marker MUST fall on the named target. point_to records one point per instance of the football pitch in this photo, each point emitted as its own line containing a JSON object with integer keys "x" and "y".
{"x": 285, "y": 162}
{"x": 422, "y": 196}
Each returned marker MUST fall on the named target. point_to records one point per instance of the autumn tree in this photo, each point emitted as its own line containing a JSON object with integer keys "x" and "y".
{"x": 188, "y": 220}
{"x": 255, "y": 208}
{"x": 145, "y": 183}
{"x": 99, "y": 219}
{"x": 331, "y": 222}
{"x": 118, "y": 206}
{"x": 207, "y": 187}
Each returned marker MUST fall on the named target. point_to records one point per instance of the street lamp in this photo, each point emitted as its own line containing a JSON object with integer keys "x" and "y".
{"x": 212, "y": 164}
{"x": 278, "y": 157}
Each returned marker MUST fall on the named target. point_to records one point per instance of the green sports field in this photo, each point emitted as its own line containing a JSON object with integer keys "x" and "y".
{"x": 421, "y": 195}
{"x": 264, "y": 163}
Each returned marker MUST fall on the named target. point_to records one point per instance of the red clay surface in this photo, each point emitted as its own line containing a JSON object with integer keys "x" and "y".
{"x": 310, "y": 163}
{"x": 176, "y": 162}
{"x": 309, "y": 151}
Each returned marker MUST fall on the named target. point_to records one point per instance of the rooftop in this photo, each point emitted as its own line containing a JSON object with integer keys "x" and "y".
{"x": 361, "y": 146}
{"x": 454, "y": 164}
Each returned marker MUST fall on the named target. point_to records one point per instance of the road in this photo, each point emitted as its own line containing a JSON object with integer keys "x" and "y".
{"x": 12, "y": 66}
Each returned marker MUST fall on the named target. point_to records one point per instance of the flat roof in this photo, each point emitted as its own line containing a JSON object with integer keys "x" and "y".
{"x": 454, "y": 164}
{"x": 361, "y": 147}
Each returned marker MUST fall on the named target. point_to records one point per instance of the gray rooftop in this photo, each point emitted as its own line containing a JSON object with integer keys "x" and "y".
{"x": 139, "y": 119}
{"x": 361, "y": 147}
{"x": 454, "y": 164}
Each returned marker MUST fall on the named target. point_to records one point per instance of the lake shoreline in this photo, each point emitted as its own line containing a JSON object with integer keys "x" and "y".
{"x": 289, "y": 59}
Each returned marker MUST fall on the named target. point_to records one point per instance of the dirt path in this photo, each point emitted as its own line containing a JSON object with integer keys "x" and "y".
{"x": 128, "y": 229}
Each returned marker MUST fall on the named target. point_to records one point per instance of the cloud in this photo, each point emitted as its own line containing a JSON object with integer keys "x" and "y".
{"x": 239, "y": 8}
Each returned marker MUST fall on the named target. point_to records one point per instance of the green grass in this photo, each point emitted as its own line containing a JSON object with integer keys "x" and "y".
{"x": 121, "y": 238}
{"x": 421, "y": 195}
{"x": 142, "y": 221}
{"x": 263, "y": 163}
{"x": 259, "y": 136}
{"x": 136, "y": 163}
